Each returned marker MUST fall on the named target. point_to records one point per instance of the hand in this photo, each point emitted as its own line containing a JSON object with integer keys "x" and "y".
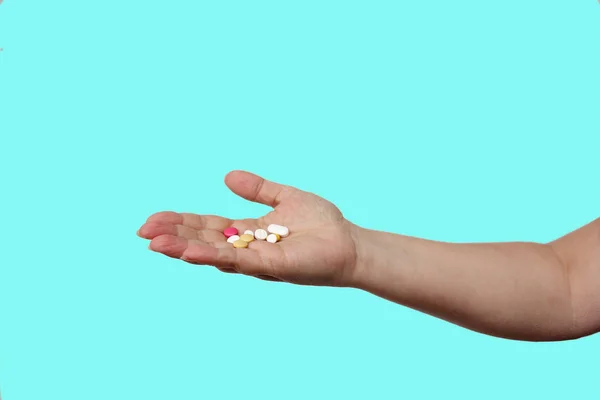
{"x": 320, "y": 249}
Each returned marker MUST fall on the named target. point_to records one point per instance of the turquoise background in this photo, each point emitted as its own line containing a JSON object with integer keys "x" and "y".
{"x": 456, "y": 121}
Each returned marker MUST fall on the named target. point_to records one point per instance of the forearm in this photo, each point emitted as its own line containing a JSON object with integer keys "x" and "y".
{"x": 513, "y": 290}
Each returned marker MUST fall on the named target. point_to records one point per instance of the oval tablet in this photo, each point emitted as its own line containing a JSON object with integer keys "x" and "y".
{"x": 230, "y": 232}
{"x": 247, "y": 238}
{"x": 281, "y": 230}
{"x": 261, "y": 234}
{"x": 273, "y": 238}
{"x": 233, "y": 238}
{"x": 240, "y": 244}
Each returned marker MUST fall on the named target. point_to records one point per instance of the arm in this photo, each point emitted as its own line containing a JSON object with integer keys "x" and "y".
{"x": 523, "y": 291}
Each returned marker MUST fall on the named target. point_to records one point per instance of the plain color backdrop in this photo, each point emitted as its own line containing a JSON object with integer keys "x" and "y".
{"x": 457, "y": 121}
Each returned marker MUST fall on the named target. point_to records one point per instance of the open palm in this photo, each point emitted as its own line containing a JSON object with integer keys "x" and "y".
{"x": 320, "y": 249}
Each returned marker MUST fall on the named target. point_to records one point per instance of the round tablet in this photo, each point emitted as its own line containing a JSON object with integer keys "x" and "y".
{"x": 247, "y": 238}
{"x": 261, "y": 234}
{"x": 273, "y": 238}
{"x": 240, "y": 244}
{"x": 233, "y": 238}
{"x": 230, "y": 231}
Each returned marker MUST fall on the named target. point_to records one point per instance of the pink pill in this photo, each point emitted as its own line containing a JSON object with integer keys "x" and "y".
{"x": 230, "y": 232}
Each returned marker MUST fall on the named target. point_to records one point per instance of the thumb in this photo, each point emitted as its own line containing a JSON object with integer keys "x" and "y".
{"x": 255, "y": 188}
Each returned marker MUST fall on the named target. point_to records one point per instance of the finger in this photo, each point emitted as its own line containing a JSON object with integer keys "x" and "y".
{"x": 194, "y": 221}
{"x": 177, "y": 247}
{"x": 150, "y": 230}
{"x": 210, "y": 236}
{"x": 169, "y": 245}
{"x": 269, "y": 278}
{"x": 263, "y": 277}
{"x": 254, "y": 188}
{"x": 228, "y": 270}
{"x": 222, "y": 255}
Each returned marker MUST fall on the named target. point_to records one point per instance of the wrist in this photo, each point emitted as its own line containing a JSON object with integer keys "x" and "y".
{"x": 363, "y": 260}
{"x": 381, "y": 258}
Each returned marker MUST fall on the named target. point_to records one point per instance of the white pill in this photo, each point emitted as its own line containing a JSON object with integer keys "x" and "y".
{"x": 249, "y": 232}
{"x": 233, "y": 238}
{"x": 282, "y": 231}
{"x": 260, "y": 234}
{"x": 273, "y": 238}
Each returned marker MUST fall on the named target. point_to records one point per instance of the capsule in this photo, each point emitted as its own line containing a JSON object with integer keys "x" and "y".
{"x": 281, "y": 230}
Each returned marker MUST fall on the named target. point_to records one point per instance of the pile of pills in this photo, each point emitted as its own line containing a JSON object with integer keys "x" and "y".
{"x": 273, "y": 234}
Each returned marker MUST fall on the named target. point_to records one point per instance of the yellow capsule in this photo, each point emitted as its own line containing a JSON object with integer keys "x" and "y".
{"x": 240, "y": 244}
{"x": 247, "y": 238}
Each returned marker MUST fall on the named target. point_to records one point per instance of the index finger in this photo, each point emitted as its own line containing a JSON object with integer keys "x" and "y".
{"x": 193, "y": 221}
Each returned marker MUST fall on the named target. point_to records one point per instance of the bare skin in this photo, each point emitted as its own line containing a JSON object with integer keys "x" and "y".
{"x": 520, "y": 291}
